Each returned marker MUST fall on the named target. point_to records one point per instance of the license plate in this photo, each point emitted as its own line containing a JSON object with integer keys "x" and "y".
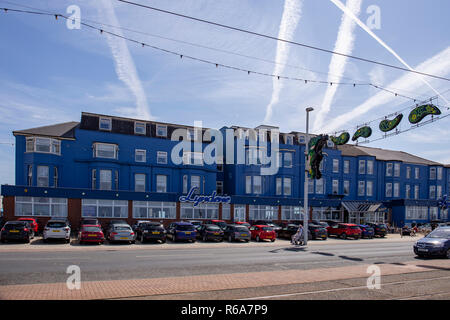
{"x": 268, "y": 237}
{"x": 55, "y": 230}
{"x": 123, "y": 238}
{"x": 383, "y": 229}
{"x": 216, "y": 233}
{"x": 155, "y": 232}
{"x": 92, "y": 235}
{"x": 188, "y": 232}
{"x": 244, "y": 235}
{"x": 13, "y": 230}
{"x": 423, "y": 250}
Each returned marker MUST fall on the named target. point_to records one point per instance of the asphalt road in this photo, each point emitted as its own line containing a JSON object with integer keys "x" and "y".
{"x": 109, "y": 264}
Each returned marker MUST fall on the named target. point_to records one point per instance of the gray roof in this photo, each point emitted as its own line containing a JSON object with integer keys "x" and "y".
{"x": 384, "y": 155}
{"x": 60, "y": 130}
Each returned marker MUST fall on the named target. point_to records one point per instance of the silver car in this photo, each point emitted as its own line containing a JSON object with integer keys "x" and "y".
{"x": 235, "y": 232}
{"x": 121, "y": 232}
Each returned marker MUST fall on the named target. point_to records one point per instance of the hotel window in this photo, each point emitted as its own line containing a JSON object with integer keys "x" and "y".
{"x": 346, "y": 187}
{"x": 104, "y": 208}
{"x": 139, "y": 182}
{"x": 29, "y": 144}
{"x": 161, "y": 157}
{"x": 263, "y": 212}
{"x": 407, "y": 191}
{"x": 408, "y": 172}
{"x": 116, "y": 180}
{"x": 94, "y": 179}
{"x": 161, "y": 130}
{"x": 396, "y": 169}
{"x": 335, "y": 187}
{"x": 432, "y": 173}
{"x": 288, "y": 159}
{"x": 219, "y": 187}
{"x": 30, "y": 175}
{"x": 140, "y": 155}
{"x": 55, "y": 177}
{"x": 416, "y": 173}
{"x": 396, "y": 190}
{"x": 257, "y": 185}
{"x": 439, "y": 173}
{"x": 105, "y": 124}
{"x": 185, "y": 184}
{"x": 287, "y": 186}
{"x": 161, "y": 183}
{"x": 239, "y": 212}
{"x": 193, "y": 158}
{"x": 226, "y": 211}
{"x": 200, "y": 211}
{"x": 195, "y": 182}
{"x": 291, "y": 213}
{"x": 43, "y": 145}
{"x": 433, "y": 213}
{"x": 278, "y": 186}
{"x": 369, "y": 188}
{"x": 105, "y": 150}
{"x": 438, "y": 192}
{"x": 139, "y": 128}
{"x": 335, "y": 165}
{"x": 290, "y": 140}
{"x": 362, "y": 166}
{"x": 388, "y": 190}
{"x": 416, "y": 192}
{"x": 319, "y": 186}
{"x": 388, "y": 169}
{"x": 432, "y": 192}
{"x": 301, "y": 139}
{"x": 154, "y": 210}
{"x": 361, "y": 187}
{"x": 310, "y": 186}
{"x": 42, "y": 176}
{"x": 43, "y": 207}
{"x": 346, "y": 166}
{"x": 369, "y": 167}
{"x": 248, "y": 184}
{"x": 105, "y": 180}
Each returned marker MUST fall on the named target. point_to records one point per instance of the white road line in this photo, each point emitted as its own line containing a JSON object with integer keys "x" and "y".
{"x": 340, "y": 289}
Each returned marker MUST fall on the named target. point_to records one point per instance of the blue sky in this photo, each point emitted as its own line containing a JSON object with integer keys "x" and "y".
{"x": 49, "y": 74}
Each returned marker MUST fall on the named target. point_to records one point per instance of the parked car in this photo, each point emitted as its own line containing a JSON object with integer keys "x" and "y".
{"x": 196, "y": 223}
{"x": 2, "y": 222}
{"x": 366, "y": 231}
{"x": 379, "y": 228}
{"x": 237, "y": 232}
{"x": 57, "y": 229}
{"x": 110, "y": 224}
{"x": 289, "y": 229}
{"x": 91, "y": 233}
{"x": 243, "y": 223}
{"x": 89, "y": 222}
{"x": 33, "y": 223}
{"x": 137, "y": 226}
{"x": 16, "y": 230}
{"x": 210, "y": 232}
{"x": 436, "y": 243}
{"x": 269, "y": 223}
{"x": 320, "y": 223}
{"x": 317, "y": 232}
{"x": 221, "y": 223}
{"x": 345, "y": 230}
{"x": 151, "y": 231}
{"x": 262, "y": 232}
{"x": 181, "y": 231}
{"x": 330, "y": 222}
{"x": 121, "y": 232}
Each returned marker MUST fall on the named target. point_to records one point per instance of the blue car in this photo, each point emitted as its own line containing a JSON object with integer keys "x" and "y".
{"x": 181, "y": 231}
{"x": 367, "y": 231}
{"x": 436, "y": 243}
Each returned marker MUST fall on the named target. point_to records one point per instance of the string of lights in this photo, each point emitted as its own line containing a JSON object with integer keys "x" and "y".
{"x": 279, "y": 39}
{"x": 216, "y": 64}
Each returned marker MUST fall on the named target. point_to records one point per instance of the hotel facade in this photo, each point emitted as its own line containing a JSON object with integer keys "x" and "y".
{"x": 119, "y": 168}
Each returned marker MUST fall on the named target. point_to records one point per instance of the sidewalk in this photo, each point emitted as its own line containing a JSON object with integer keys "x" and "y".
{"x": 37, "y": 245}
{"x": 204, "y": 283}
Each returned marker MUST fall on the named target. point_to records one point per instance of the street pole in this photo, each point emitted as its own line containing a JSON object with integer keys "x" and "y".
{"x": 305, "y": 209}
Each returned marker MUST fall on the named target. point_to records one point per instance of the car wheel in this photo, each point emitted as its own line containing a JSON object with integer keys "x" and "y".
{"x": 81, "y": 242}
{"x": 133, "y": 242}
{"x": 163, "y": 241}
{"x": 421, "y": 256}
{"x": 27, "y": 240}
{"x": 45, "y": 240}
{"x": 193, "y": 240}
{"x": 343, "y": 236}
{"x": 230, "y": 239}
{"x": 258, "y": 239}
{"x": 273, "y": 240}
{"x": 67, "y": 240}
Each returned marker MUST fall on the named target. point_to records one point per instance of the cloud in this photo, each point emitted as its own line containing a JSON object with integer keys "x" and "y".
{"x": 124, "y": 64}
{"x": 438, "y": 64}
{"x": 344, "y": 44}
{"x": 289, "y": 21}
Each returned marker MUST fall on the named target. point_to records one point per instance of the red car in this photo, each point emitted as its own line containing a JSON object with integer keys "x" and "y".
{"x": 262, "y": 232}
{"x": 344, "y": 230}
{"x": 244, "y": 223}
{"x": 33, "y": 223}
{"x": 91, "y": 233}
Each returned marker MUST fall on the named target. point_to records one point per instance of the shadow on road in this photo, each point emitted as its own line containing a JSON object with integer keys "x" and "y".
{"x": 350, "y": 258}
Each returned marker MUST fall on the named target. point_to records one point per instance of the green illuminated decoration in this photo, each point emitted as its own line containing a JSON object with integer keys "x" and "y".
{"x": 342, "y": 139}
{"x": 315, "y": 155}
{"x": 364, "y": 132}
{"x": 420, "y": 112}
{"x": 388, "y": 125}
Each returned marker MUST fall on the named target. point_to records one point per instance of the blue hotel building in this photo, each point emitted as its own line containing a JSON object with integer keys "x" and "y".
{"x": 113, "y": 167}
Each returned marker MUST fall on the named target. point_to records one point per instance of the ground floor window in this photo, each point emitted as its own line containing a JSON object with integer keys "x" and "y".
{"x": 416, "y": 212}
{"x": 433, "y": 213}
{"x": 104, "y": 208}
{"x": 326, "y": 213}
{"x": 291, "y": 213}
{"x": 239, "y": 212}
{"x": 263, "y": 213}
{"x": 200, "y": 211}
{"x": 444, "y": 214}
{"x": 154, "y": 209}
{"x": 43, "y": 207}
{"x": 226, "y": 211}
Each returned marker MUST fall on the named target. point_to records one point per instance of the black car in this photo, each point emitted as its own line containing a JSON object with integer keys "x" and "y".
{"x": 16, "y": 230}
{"x": 151, "y": 231}
{"x": 210, "y": 232}
{"x": 237, "y": 232}
{"x": 436, "y": 243}
{"x": 137, "y": 226}
{"x": 379, "y": 228}
{"x": 317, "y": 232}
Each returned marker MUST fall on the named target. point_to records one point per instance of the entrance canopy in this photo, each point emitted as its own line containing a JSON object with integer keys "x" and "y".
{"x": 357, "y": 206}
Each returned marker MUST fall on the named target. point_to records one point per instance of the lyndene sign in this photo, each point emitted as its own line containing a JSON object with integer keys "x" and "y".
{"x": 196, "y": 199}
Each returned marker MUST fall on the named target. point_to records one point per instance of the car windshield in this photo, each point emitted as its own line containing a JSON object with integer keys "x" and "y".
{"x": 241, "y": 229}
{"x": 213, "y": 228}
{"x": 222, "y": 224}
{"x": 184, "y": 227}
{"x": 89, "y": 222}
{"x": 440, "y": 233}
{"x": 267, "y": 228}
{"x": 91, "y": 229}
{"x": 122, "y": 228}
{"x": 11, "y": 226}
{"x": 56, "y": 225}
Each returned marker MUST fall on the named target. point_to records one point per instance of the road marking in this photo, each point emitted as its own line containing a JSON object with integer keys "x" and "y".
{"x": 340, "y": 289}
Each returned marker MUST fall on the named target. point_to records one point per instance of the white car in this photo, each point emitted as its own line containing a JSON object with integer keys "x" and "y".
{"x": 57, "y": 229}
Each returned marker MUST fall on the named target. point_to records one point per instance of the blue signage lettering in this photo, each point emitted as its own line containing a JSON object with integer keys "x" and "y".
{"x": 196, "y": 199}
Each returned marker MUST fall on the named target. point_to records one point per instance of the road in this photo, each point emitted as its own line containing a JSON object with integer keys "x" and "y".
{"x": 116, "y": 263}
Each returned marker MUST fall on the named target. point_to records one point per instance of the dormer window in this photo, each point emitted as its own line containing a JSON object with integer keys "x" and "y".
{"x": 139, "y": 128}
{"x": 105, "y": 124}
{"x": 290, "y": 140}
{"x": 161, "y": 130}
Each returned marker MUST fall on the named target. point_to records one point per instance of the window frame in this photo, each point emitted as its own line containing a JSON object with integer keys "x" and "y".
{"x": 140, "y": 124}
{"x": 160, "y": 126}
{"x": 102, "y": 119}
{"x": 144, "y": 152}
{"x": 158, "y": 176}
{"x": 96, "y": 146}
{"x": 161, "y": 155}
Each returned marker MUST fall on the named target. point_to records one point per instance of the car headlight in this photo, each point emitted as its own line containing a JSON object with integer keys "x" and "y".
{"x": 438, "y": 244}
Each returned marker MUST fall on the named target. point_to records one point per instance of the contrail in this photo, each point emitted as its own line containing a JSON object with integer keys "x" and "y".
{"x": 124, "y": 64}
{"x": 344, "y": 44}
{"x": 289, "y": 21}
{"x": 439, "y": 64}
{"x": 341, "y": 6}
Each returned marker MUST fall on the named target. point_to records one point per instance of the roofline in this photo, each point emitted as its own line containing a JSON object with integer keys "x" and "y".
{"x": 18, "y": 133}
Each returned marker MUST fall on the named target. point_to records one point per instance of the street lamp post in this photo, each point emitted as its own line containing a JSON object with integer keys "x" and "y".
{"x": 305, "y": 209}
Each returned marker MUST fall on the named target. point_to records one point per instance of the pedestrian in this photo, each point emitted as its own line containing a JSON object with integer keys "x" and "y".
{"x": 297, "y": 238}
